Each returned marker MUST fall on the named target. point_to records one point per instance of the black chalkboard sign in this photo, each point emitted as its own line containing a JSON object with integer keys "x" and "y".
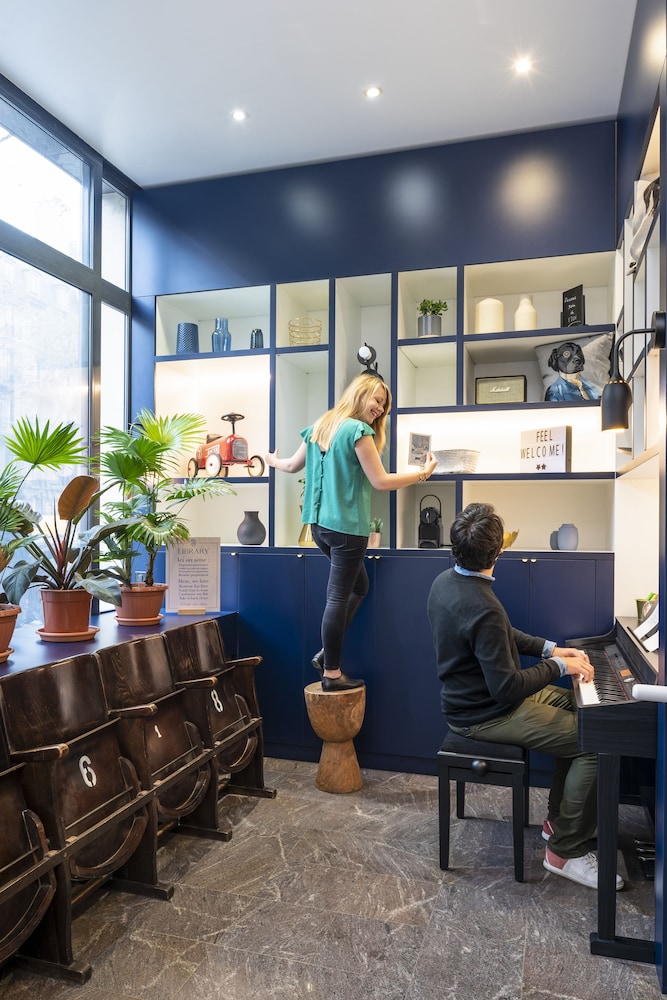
{"x": 574, "y": 307}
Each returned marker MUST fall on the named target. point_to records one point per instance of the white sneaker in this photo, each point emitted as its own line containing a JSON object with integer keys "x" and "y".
{"x": 583, "y": 870}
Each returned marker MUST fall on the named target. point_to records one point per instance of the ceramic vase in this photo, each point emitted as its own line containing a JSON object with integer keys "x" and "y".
{"x": 568, "y": 537}
{"x": 251, "y": 531}
{"x": 525, "y": 317}
{"x": 490, "y": 316}
{"x": 187, "y": 338}
{"x": 256, "y": 340}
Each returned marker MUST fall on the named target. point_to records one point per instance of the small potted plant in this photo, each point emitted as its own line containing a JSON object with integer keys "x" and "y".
{"x": 375, "y": 536}
{"x": 143, "y": 464}
{"x": 429, "y": 323}
{"x": 60, "y": 558}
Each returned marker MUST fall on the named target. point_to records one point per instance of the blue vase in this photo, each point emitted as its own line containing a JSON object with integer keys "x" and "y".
{"x": 187, "y": 338}
{"x": 221, "y": 338}
{"x": 568, "y": 537}
{"x": 256, "y": 340}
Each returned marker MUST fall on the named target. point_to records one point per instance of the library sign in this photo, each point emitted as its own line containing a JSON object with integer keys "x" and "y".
{"x": 546, "y": 449}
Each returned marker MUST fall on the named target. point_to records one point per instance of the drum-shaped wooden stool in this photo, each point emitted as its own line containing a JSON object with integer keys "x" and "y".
{"x": 336, "y": 717}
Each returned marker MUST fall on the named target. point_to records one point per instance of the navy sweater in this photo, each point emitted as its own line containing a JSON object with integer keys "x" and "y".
{"x": 478, "y": 651}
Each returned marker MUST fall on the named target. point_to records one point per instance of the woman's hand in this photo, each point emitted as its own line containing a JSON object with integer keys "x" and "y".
{"x": 429, "y": 465}
{"x": 271, "y": 457}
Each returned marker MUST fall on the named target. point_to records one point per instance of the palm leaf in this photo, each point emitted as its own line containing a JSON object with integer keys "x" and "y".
{"x": 43, "y": 448}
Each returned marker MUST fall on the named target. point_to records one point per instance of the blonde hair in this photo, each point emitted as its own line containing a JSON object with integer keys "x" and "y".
{"x": 352, "y": 405}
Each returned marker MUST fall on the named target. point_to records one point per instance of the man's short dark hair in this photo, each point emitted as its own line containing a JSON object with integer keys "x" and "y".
{"x": 477, "y": 537}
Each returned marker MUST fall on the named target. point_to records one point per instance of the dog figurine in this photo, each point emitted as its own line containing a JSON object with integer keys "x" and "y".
{"x": 568, "y": 360}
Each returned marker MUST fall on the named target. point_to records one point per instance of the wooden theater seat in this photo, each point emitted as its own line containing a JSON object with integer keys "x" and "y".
{"x": 27, "y": 881}
{"x": 78, "y": 782}
{"x": 227, "y": 711}
{"x": 159, "y": 737}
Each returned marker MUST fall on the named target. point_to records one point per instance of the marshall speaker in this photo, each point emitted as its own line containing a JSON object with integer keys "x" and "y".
{"x": 430, "y": 523}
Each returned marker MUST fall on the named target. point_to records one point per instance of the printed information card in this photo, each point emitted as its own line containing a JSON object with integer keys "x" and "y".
{"x": 193, "y": 576}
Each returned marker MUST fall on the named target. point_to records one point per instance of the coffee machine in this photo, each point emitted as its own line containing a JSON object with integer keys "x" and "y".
{"x": 430, "y": 523}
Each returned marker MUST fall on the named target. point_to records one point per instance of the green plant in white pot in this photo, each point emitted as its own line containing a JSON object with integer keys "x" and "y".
{"x": 429, "y": 323}
{"x": 375, "y": 536}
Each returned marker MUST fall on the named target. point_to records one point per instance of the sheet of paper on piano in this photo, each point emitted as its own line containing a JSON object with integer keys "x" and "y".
{"x": 648, "y": 631}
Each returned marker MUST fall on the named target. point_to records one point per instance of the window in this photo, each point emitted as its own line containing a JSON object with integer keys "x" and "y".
{"x": 114, "y": 235}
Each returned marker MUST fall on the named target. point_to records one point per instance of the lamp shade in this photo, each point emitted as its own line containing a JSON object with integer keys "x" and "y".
{"x": 615, "y": 405}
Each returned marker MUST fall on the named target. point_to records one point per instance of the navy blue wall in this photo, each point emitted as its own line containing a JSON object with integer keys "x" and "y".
{"x": 532, "y": 194}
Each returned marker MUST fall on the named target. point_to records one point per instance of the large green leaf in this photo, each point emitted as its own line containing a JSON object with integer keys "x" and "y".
{"x": 43, "y": 448}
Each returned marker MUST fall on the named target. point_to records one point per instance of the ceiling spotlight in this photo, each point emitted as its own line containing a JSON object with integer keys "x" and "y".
{"x": 372, "y": 92}
{"x": 239, "y": 115}
{"x": 523, "y": 65}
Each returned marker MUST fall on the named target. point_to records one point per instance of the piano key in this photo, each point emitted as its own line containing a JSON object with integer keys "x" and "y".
{"x": 588, "y": 693}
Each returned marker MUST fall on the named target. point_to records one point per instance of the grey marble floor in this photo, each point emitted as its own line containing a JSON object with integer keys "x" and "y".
{"x": 333, "y": 897}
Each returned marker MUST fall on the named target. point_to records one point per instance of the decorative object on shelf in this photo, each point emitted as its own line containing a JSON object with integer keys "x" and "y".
{"x": 545, "y": 450}
{"x": 489, "y": 316}
{"x": 187, "y": 338}
{"x": 574, "y": 370}
{"x": 429, "y": 322}
{"x": 251, "y": 531}
{"x": 553, "y": 539}
{"x": 221, "y": 338}
{"x": 509, "y": 538}
{"x": 304, "y": 331}
{"x": 306, "y": 536}
{"x": 574, "y": 307}
{"x": 617, "y": 395}
{"x": 525, "y": 317}
{"x": 430, "y": 523}
{"x": 366, "y": 355}
{"x": 256, "y": 339}
{"x": 218, "y": 453}
{"x": 568, "y": 537}
{"x": 420, "y": 446}
{"x": 455, "y": 460}
{"x": 647, "y": 199}
{"x": 375, "y": 535}
{"x": 497, "y": 389}
{"x": 645, "y": 605}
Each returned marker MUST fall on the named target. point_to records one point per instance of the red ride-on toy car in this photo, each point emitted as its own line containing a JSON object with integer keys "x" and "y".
{"x": 219, "y": 453}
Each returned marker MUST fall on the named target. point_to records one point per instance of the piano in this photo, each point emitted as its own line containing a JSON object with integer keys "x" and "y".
{"x": 614, "y": 725}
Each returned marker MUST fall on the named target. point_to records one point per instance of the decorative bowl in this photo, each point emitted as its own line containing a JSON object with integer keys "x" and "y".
{"x": 455, "y": 460}
{"x": 304, "y": 330}
{"x": 509, "y": 538}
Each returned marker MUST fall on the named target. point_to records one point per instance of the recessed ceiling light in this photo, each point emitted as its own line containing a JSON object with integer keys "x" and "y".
{"x": 523, "y": 65}
{"x": 372, "y": 92}
{"x": 239, "y": 115}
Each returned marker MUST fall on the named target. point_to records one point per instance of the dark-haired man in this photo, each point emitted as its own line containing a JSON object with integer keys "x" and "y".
{"x": 487, "y": 696}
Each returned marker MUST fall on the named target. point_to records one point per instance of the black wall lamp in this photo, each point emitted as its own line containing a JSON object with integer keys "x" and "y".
{"x": 617, "y": 395}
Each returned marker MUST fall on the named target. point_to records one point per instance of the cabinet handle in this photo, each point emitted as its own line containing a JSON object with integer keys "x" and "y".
{"x": 533, "y": 560}
{"x": 299, "y": 555}
{"x": 233, "y": 553}
{"x": 524, "y": 560}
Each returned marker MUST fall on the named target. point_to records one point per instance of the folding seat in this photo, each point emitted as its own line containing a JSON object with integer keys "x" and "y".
{"x": 227, "y": 711}
{"x": 76, "y": 779}
{"x": 159, "y": 737}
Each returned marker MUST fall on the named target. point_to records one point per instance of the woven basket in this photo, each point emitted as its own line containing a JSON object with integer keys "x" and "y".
{"x": 455, "y": 460}
{"x": 304, "y": 331}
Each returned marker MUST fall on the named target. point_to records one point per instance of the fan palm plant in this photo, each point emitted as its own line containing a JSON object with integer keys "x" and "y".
{"x": 143, "y": 463}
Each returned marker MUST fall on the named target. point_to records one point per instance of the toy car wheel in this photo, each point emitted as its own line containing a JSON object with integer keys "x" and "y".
{"x": 193, "y": 468}
{"x": 213, "y": 464}
{"x": 256, "y": 466}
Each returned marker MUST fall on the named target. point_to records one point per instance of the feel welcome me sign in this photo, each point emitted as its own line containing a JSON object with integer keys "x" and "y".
{"x": 546, "y": 449}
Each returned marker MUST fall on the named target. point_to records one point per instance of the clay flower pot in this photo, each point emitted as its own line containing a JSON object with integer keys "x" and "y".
{"x": 141, "y": 604}
{"x": 66, "y": 616}
{"x": 8, "y": 616}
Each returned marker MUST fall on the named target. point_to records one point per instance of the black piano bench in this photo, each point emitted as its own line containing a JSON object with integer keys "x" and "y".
{"x": 461, "y": 759}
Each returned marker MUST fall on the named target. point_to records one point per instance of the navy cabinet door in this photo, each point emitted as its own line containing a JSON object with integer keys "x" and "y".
{"x": 512, "y": 588}
{"x": 271, "y": 624}
{"x": 563, "y": 598}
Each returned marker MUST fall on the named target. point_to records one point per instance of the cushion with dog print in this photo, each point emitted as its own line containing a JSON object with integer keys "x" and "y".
{"x": 575, "y": 369}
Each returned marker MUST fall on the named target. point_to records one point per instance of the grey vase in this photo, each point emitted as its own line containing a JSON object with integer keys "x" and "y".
{"x": 568, "y": 537}
{"x": 251, "y": 531}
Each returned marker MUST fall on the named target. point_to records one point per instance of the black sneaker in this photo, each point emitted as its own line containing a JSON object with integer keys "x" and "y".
{"x": 342, "y": 683}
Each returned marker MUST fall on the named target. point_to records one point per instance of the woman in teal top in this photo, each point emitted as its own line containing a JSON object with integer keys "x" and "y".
{"x": 341, "y": 455}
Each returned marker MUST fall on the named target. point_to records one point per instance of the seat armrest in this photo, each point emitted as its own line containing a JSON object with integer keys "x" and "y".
{"x": 134, "y": 711}
{"x": 196, "y": 682}
{"x": 54, "y": 751}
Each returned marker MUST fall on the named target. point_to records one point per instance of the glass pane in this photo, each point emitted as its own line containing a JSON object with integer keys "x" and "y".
{"x": 44, "y": 187}
{"x": 112, "y": 368}
{"x": 114, "y": 236}
{"x": 44, "y": 335}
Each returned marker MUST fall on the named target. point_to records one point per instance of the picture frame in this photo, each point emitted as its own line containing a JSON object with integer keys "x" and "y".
{"x": 500, "y": 389}
{"x": 420, "y": 446}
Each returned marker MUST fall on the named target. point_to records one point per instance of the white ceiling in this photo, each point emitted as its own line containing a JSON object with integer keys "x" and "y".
{"x": 150, "y": 84}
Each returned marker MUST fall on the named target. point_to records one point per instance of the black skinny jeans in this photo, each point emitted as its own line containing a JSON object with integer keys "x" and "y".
{"x": 346, "y": 589}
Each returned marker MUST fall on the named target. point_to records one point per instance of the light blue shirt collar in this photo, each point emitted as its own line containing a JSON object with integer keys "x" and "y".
{"x": 472, "y": 572}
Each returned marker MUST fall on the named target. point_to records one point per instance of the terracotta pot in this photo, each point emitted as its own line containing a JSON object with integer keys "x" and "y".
{"x": 66, "y": 615}
{"x": 8, "y": 616}
{"x": 141, "y": 604}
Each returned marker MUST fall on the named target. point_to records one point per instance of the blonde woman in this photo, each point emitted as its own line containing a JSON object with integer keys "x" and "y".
{"x": 341, "y": 454}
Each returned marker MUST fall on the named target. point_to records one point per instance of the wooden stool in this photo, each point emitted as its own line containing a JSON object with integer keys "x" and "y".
{"x": 462, "y": 759}
{"x": 336, "y": 717}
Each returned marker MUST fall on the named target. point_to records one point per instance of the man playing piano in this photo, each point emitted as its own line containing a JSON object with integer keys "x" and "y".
{"x": 487, "y": 696}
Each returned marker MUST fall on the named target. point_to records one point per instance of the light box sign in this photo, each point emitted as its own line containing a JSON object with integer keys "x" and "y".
{"x": 193, "y": 576}
{"x": 546, "y": 449}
